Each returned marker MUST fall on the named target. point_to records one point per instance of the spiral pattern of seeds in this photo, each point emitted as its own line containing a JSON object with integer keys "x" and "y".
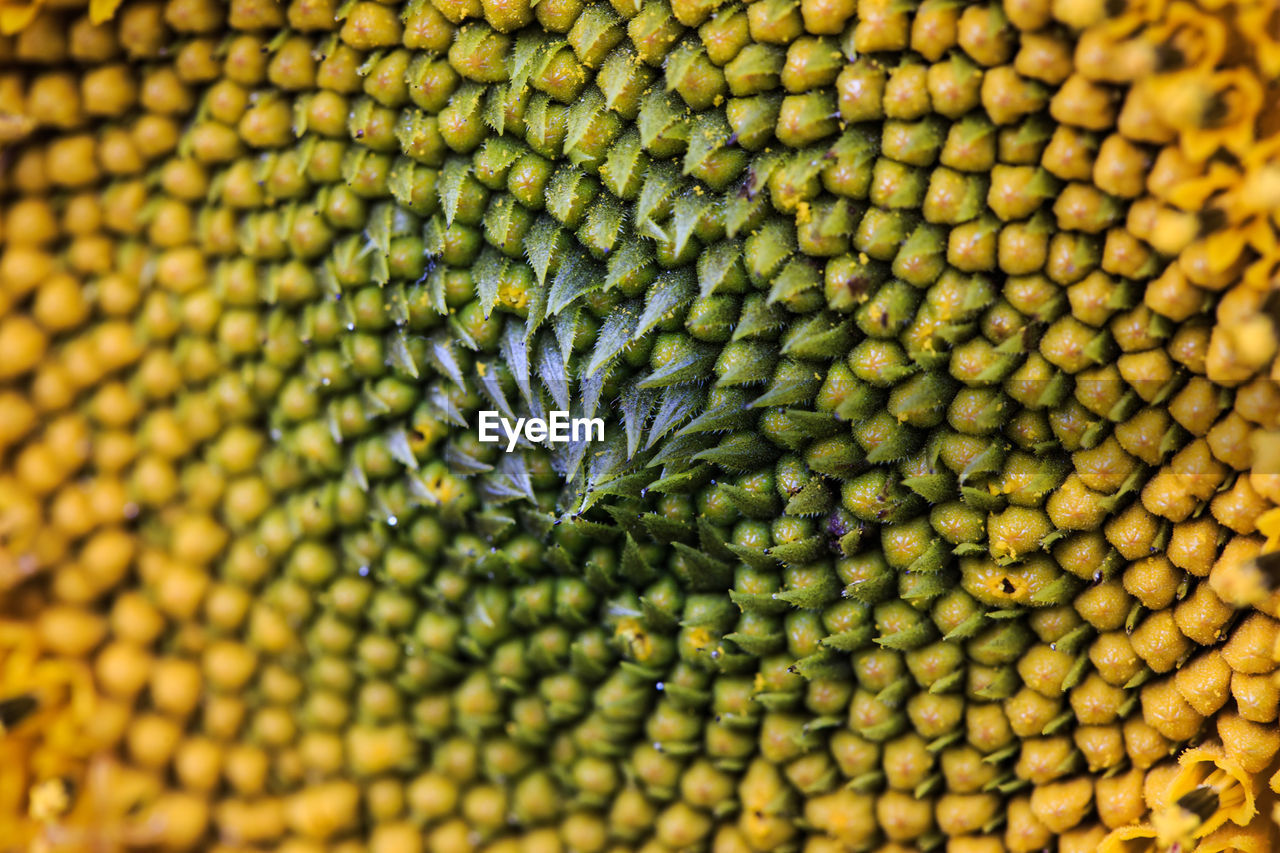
{"x": 936, "y": 347}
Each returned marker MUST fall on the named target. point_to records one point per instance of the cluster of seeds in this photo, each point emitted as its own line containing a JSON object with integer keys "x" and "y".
{"x": 933, "y": 344}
